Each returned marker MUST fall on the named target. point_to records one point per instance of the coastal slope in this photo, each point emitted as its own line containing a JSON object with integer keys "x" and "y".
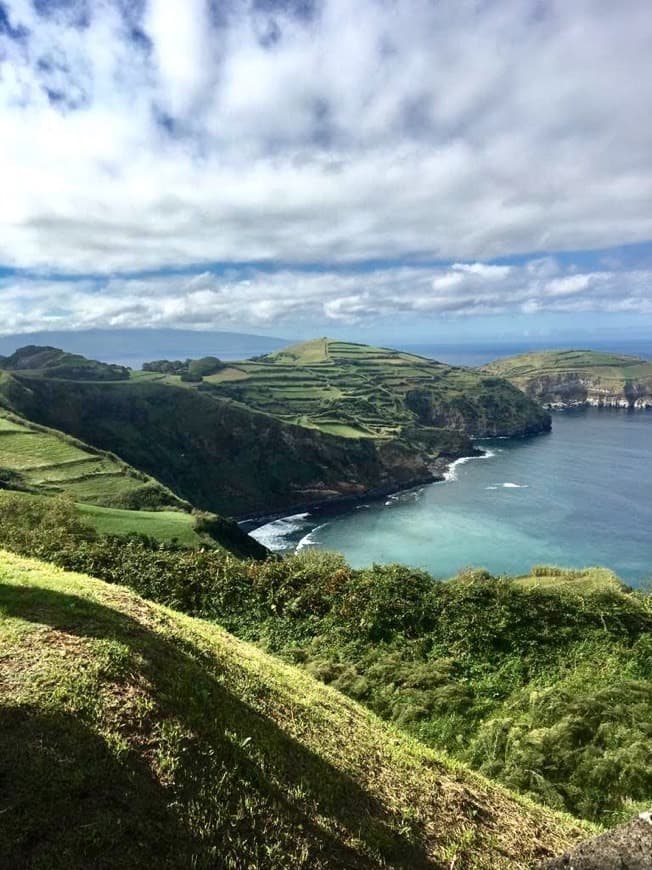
{"x": 576, "y": 378}
{"x": 131, "y": 735}
{"x": 318, "y": 422}
{"x": 38, "y": 462}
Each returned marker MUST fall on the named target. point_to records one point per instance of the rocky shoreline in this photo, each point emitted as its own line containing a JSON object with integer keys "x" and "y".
{"x": 615, "y": 403}
{"x": 342, "y": 503}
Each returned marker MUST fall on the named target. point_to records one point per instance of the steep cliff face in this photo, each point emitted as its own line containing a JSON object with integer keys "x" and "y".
{"x": 221, "y": 456}
{"x": 322, "y": 421}
{"x": 564, "y": 379}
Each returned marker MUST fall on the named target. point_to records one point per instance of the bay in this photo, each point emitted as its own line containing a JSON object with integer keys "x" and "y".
{"x": 579, "y": 496}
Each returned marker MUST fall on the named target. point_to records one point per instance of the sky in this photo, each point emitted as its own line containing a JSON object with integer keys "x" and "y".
{"x": 378, "y": 169}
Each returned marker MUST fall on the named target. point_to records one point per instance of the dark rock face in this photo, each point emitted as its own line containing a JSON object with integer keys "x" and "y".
{"x": 628, "y": 847}
{"x": 231, "y": 459}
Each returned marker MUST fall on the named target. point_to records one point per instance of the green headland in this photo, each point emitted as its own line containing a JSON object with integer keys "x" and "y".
{"x": 567, "y": 378}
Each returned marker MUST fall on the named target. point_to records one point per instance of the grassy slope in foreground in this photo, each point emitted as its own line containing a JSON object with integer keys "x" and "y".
{"x": 578, "y": 376}
{"x": 133, "y": 736}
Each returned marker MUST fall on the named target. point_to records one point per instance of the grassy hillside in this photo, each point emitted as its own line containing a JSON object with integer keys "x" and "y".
{"x": 579, "y": 376}
{"x": 41, "y": 460}
{"x": 55, "y": 363}
{"x": 543, "y": 682}
{"x": 358, "y": 391}
{"x": 132, "y": 736}
{"x": 164, "y": 526}
{"x": 62, "y": 521}
{"x": 317, "y": 422}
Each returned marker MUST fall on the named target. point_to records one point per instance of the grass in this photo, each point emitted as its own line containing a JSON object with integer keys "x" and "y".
{"x": 33, "y": 513}
{"x": 614, "y": 372}
{"x": 357, "y": 391}
{"x": 42, "y": 460}
{"x": 566, "y": 361}
{"x": 587, "y": 581}
{"x": 163, "y": 525}
{"x": 133, "y": 736}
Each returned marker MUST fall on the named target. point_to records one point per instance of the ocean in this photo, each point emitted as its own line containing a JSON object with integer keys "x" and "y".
{"x": 578, "y": 496}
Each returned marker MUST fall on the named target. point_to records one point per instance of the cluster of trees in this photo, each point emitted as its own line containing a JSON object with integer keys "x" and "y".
{"x": 500, "y": 676}
{"x": 191, "y": 370}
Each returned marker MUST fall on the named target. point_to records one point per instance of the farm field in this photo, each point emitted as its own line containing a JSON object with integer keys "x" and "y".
{"x": 165, "y": 526}
{"x": 346, "y": 389}
{"x": 44, "y": 461}
{"x": 607, "y": 366}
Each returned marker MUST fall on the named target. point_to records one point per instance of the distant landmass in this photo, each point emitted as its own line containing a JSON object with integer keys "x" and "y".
{"x": 133, "y": 347}
{"x": 575, "y": 378}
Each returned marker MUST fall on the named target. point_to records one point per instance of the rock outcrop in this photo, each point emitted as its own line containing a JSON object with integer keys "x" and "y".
{"x": 628, "y": 847}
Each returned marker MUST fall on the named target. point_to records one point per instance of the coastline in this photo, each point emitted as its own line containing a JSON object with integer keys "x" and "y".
{"x": 442, "y": 469}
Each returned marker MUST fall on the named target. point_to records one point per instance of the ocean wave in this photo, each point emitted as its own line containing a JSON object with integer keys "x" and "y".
{"x": 451, "y": 473}
{"x": 308, "y": 540}
{"x": 514, "y": 485}
{"x": 275, "y": 535}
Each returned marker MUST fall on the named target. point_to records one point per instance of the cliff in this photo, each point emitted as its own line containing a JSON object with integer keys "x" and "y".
{"x": 565, "y": 379}
{"x": 281, "y": 433}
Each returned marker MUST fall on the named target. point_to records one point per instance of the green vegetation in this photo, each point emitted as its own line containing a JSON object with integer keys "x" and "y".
{"x": 317, "y": 422}
{"x": 163, "y": 526}
{"x": 579, "y": 376}
{"x": 192, "y": 370}
{"x": 166, "y": 526}
{"x": 41, "y": 460}
{"x": 132, "y": 736}
{"x": 54, "y": 363}
{"x": 566, "y": 361}
{"x": 29, "y": 519}
{"x": 357, "y": 391}
{"x": 542, "y": 682}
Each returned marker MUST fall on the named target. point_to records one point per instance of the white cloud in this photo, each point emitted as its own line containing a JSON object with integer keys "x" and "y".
{"x": 454, "y": 130}
{"x": 256, "y": 299}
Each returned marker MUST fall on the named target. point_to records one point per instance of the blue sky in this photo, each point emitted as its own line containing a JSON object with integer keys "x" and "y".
{"x": 404, "y": 170}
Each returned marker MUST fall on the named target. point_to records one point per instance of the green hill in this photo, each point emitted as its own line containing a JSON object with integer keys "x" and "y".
{"x": 359, "y": 391}
{"x": 132, "y": 736}
{"x": 579, "y": 377}
{"x": 41, "y": 460}
{"x": 55, "y": 363}
{"x": 321, "y": 421}
{"x": 111, "y": 495}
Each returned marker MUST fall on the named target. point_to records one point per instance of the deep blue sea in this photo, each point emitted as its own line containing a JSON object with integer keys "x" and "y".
{"x": 581, "y": 495}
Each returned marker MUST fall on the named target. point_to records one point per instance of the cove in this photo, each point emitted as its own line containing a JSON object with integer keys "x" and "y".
{"x": 579, "y": 496}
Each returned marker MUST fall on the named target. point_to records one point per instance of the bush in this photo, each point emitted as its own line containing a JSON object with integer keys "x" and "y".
{"x": 547, "y": 690}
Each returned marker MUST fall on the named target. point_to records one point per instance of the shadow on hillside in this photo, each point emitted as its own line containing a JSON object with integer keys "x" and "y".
{"x": 249, "y": 789}
{"x": 66, "y": 801}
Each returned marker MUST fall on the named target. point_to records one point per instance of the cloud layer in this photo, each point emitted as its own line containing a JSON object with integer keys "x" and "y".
{"x": 332, "y": 299}
{"x": 143, "y": 135}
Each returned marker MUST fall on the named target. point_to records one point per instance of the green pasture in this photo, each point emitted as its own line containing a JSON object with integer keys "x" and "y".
{"x": 42, "y": 460}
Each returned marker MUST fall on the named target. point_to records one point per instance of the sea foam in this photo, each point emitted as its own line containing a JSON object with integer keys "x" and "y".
{"x": 275, "y": 535}
{"x": 451, "y": 472}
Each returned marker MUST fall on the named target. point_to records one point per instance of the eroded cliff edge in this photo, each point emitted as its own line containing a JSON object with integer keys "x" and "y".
{"x": 567, "y": 379}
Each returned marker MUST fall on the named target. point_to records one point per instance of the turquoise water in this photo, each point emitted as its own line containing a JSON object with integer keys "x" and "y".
{"x": 581, "y": 495}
